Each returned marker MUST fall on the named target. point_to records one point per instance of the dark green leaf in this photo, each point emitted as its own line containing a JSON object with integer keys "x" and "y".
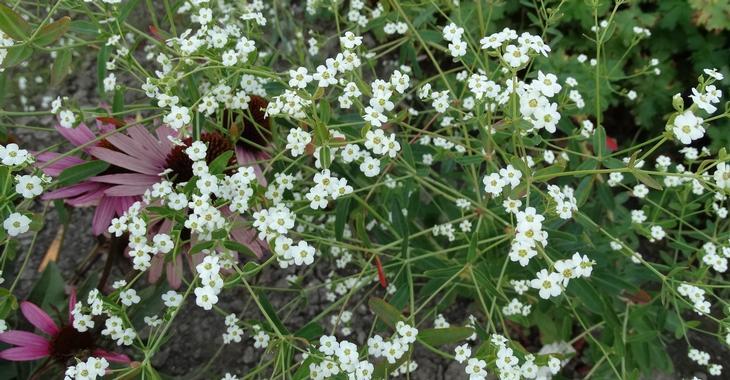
{"x": 450, "y": 335}
{"x": 80, "y": 172}
{"x": 52, "y": 32}
{"x": 13, "y": 25}
{"x": 385, "y": 311}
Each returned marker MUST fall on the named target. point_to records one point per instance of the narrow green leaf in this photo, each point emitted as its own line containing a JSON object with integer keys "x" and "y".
{"x": 220, "y": 163}
{"x": 385, "y": 311}
{"x": 271, "y": 313}
{"x": 440, "y": 337}
{"x": 80, "y": 172}
{"x": 52, "y": 32}
{"x": 240, "y": 248}
{"x": 13, "y": 25}
{"x": 17, "y": 55}
{"x": 61, "y": 67}
{"x": 647, "y": 180}
{"x": 342, "y": 211}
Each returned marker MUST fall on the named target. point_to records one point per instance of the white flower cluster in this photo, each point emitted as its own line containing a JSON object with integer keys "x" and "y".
{"x": 529, "y": 234}
{"x": 261, "y": 338}
{"x": 5, "y": 42}
{"x": 382, "y": 91}
{"x": 703, "y": 358}
{"x": 140, "y": 249}
{"x": 453, "y": 34}
{"x": 495, "y": 182}
{"x": 397, "y": 346}
{"x": 88, "y": 370}
{"x": 115, "y": 330}
{"x": 686, "y": 126}
{"x": 515, "y": 307}
{"x": 234, "y": 332}
{"x": 211, "y": 282}
{"x": 697, "y": 296}
{"x": 564, "y": 199}
{"x": 717, "y": 260}
{"x": 326, "y": 187}
{"x": 507, "y": 364}
{"x": 446, "y": 229}
{"x": 553, "y": 284}
{"x": 339, "y": 357}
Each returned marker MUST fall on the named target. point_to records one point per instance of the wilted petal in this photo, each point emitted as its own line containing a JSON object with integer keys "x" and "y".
{"x": 112, "y": 356}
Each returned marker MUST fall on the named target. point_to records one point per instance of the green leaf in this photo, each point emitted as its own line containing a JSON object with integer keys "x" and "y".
{"x": 310, "y": 331}
{"x": 220, "y": 163}
{"x": 471, "y": 254}
{"x": 17, "y": 55}
{"x": 240, "y": 248}
{"x": 101, "y": 59}
{"x": 271, "y": 313}
{"x": 440, "y": 337}
{"x": 118, "y": 100}
{"x": 61, "y": 67}
{"x": 385, "y": 311}
{"x": 342, "y": 211}
{"x": 80, "y": 172}
{"x": 646, "y": 180}
{"x": 49, "y": 288}
{"x": 599, "y": 142}
{"x": 201, "y": 246}
{"x": 52, "y": 32}
{"x": 126, "y": 10}
{"x": 13, "y": 25}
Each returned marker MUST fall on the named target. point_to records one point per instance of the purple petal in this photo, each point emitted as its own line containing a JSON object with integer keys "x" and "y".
{"x": 126, "y": 190}
{"x": 103, "y": 216}
{"x": 112, "y": 356}
{"x": 38, "y": 318}
{"x": 162, "y": 133}
{"x": 155, "y": 271}
{"x": 24, "y": 339}
{"x": 19, "y": 354}
{"x": 74, "y": 190}
{"x": 151, "y": 145}
{"x": 125, "y": 161}
{"x": 126, "y": 178}
{"x": 58, "y": 165}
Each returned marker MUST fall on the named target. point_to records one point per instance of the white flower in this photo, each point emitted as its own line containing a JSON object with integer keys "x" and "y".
{"x": 16, "y": 224}
{"x": 178, "y": 117}
{"x": 475, "y": 367}
{"x": 172, "y": 299}
{"x": 29, "y": 186}
{"x": 299, "y": 78}
{"x": 493, "y": 184}
{"x": 66, "y": 118}
{"x": 129, "y": 297}
{"x": 205, "y": 297}
{"x": 510, "y": 176}
{"x": 714, "y": 74}
{"x": 196, "y": 151}
{"x": 515, "y": 56}
{"x": 110, "y": 82}
{"x": 370, "y": 167}
{"x": 462, "y": 353}
{"x": 688, "y": 127}
{"x": 374, "y": 116}
{"x": 548, "y": 284}
{"x": 350, "y": 40}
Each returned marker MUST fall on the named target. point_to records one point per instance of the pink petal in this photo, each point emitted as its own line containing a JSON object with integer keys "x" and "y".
{"x": 19, "y": 354}
{"x": 162, "y": 133}
{"x": 24, "y": 339}
{"x": 112, "y": 356}
{"x": 103, "y": 216}
{"x": 38, "y": 318}
{"x": 125, "y": 161}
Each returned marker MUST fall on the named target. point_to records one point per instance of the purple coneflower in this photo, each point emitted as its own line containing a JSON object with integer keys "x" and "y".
{"x": 136, "y": 159}
{"x": 63, "y": 343}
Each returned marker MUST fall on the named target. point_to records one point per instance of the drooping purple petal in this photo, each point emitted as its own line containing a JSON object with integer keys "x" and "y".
{"x": 103, "y": 216}
{"x": 77, "y": 136}
{"x": 24, "y": 339}
{"x": 247, "y": 158}
{"x": 20, "y": 354}
{"x": 58, "y": 165}
{"x": 38, "y": 318}
{"x": 125, "y": 161}
{"x": 155, "y": 271}
{"x": 71, "y": 305}
{"x": 174, "y": 272}
{"x": 162, "y": 133}
{"x": 112, "y": 356}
